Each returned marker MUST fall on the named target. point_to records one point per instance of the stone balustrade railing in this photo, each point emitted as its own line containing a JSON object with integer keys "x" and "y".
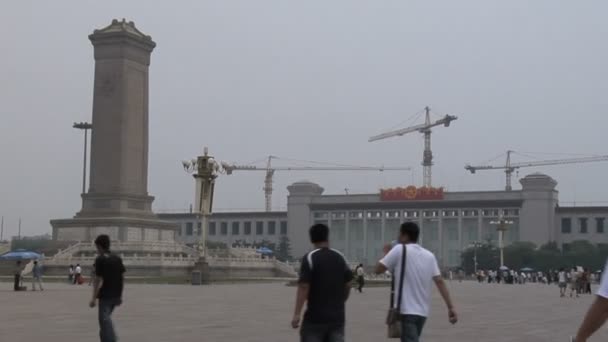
{"x": 285, "y": 267}
{"x": 129, "y": 261}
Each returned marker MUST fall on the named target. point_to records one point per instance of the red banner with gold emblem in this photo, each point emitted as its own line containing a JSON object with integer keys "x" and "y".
{"x": 411, "y": 193}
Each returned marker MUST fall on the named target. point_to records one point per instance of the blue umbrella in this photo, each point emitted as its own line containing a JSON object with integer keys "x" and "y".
{"x": 20, "y": 254}
{"x": 264, "y": 250}
{"x": 527, "y": 269}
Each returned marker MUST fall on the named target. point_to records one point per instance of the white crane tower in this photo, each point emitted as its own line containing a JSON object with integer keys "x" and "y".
{"x": 270, "y": 170}
{"x": 511, "y": 167}
{"x": 425, "y": 128}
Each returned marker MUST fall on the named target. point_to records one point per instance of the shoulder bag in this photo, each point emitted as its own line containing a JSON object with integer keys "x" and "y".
{"x": 393, "y": 319}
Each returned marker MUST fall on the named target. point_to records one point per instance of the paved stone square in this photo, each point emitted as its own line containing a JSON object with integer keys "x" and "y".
{"x": 262, "y": 312}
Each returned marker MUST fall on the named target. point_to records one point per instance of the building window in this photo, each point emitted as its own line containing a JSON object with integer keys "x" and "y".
{"x": 247, "y": 228}
{"x": 199, "y": 228}
{"x": 410, "y": 214}
{"x": 224, "y": 228}
{"x": 179, "y": 231}
{"x": 236, "y": 228}
{"x": 392, "y": 214}
{"x": 430, "y": 213}
{"x": 374, "y": 214}
{"x": 511, "y": 212}
{"x": 321, "y": 215}
{"x": 469, "y": 213}
{"x": 583, "y": 225}
{"x": 272, "y": 227}
{"x": 259, "y": 228}
{"x": 355, "y": 215}
{"x": 283, "y": 227}
{"x": 599, "y": 225}
{"x": 212, "y": 228}
{"x": 566, "y": 225}
{"x": 189, "y": 228}
{"x": 338, "y": 215}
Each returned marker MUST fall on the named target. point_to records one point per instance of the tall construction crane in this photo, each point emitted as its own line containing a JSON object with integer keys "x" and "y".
{"x": 425, "y": 128}
{"x": 510, "y": 167}
{"x": 270, "y": 170}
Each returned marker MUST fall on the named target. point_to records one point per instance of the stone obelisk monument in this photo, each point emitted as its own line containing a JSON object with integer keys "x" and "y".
{"x": 117, "y": 202}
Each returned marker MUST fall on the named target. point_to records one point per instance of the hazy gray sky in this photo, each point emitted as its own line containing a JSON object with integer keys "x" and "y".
{"x": 307, "y": 80}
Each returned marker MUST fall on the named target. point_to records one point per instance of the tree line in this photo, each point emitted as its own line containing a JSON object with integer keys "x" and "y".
{"x": 549, "y": 256}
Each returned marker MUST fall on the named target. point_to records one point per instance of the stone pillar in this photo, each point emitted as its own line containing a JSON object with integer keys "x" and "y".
{"x": 119, "y": 140}
{"x": 299, "y": 218}
{"x": 537, "y": 214}
{"x": 117, "y": 200}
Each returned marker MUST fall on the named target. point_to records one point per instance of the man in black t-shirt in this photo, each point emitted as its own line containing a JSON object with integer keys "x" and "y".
{"x": 324, "y": 283}
{"x": 107, "y": 287}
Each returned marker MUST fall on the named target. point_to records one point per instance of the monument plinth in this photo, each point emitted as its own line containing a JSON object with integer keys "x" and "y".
{"x": 117, "y": 202}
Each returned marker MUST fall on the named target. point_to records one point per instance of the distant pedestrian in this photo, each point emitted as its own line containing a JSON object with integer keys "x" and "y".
{"x": 360, "y": 272}
{"x": 77, "y": 274}
{"x": 17, "y": 276}
{"x": 107, "y": 287}
{"x": 421, "y": 270}
{"x": 324, "y": 284}
{"x": 71, "y": 274}
{"x": 574, "y": 280}
{"x": 37, "y": 276}
{"x": 562, "y": 282}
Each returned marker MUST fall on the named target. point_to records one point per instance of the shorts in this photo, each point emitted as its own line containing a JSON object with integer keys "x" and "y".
{"x": 562, "y": 285}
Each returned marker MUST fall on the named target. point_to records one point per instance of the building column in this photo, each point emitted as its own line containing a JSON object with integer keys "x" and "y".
{"x": 440, "y": 238}
{"x": 460, "y": 246}
{"x": 479, "y": 225}
{"x": 383, "y": 228}
{"x": 365, "y": 219}
{"x": 346, "y": 235}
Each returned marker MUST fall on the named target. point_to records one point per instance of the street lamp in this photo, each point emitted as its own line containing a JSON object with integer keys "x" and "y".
{"x": 86, "y": 127}
{"x": 501, "y": 225}
{"x": 475, "y": 244}
{"x": 205, "y": 170}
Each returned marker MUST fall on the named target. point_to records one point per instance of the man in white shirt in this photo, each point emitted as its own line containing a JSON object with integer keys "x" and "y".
{"x": 598, "y": 312}
{"x": 421, "y": 270}
{"x": 78, "y": 272}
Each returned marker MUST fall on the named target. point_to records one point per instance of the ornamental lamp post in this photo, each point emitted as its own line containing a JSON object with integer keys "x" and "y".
{"x": 205, "y": 170}
{"x": 475, "y": 245}
{"x": 85, "y": 126}
{"x": 501, "y": 226}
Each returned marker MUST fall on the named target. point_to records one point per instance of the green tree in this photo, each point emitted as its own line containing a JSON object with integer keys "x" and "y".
{"x": 488, "y": 257}
{"x": 283, "y": 251}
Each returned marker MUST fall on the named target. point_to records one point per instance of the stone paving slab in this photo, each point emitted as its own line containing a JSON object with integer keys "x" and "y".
{"x": 261, "y": 313}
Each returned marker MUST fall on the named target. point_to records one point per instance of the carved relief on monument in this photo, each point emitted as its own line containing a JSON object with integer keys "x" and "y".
{"x": 106, "y": 84}
{"x": 150, "y": 234}
{"x": 134, "y": 234}
{"x": 112, "y": 232}
{"x": 71, "y": 234}
{"x": 167, "y": 235}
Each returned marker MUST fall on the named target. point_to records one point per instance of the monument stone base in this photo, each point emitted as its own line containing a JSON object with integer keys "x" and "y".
{"x": 202, "y": 266}
{"x": 117, "y": 228}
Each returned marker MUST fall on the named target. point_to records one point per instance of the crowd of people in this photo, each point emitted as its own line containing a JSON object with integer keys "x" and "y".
{"x": 578, "y": 280}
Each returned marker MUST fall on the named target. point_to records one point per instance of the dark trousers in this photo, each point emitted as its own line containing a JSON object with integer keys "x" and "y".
{"x": 17, "y": 282}
{"x": 361, "y": 283}
{"x": 318, "y": 332}
{"x": 106, "y": 328}
{"x": 411, "y": 327}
